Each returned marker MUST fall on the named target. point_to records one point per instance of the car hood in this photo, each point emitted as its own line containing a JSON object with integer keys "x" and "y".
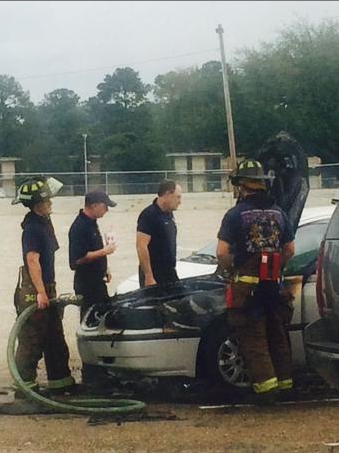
{"x": 189, "y": 304}
{"x": 184, "y": 270}
{"x": 282, "y": 156}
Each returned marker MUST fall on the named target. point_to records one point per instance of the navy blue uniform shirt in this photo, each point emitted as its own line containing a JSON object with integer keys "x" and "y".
{"x": 38, "y": 236}
{"x": 84, "y": 236}
{"x": 162, "y": 247}
{"x": 254, "y": 225}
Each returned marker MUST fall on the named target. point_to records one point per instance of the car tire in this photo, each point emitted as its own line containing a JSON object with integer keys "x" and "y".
{"x": 219, "y": 359}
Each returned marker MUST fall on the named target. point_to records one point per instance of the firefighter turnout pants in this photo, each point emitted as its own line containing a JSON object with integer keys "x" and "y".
{"x": 260, "y": 317}
{"x": 41, "y": 336}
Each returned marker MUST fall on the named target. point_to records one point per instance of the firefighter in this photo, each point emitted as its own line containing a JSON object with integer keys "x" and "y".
{"x": 42, "y": 334}
{"x": 255, "y": 241}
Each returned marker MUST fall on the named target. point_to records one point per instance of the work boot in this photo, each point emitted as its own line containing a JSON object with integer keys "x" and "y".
{"x": 74, "y": 389}
{"x": 20, "y": 395}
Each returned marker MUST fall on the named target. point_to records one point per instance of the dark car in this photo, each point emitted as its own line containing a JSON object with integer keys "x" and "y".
{"x": 322, "y": 336}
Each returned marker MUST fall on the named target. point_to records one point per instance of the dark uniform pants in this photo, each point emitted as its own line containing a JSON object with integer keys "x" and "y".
{"x": 41, "y": 336}
{"x": 260, "y": 317}
{"x": 94, "y": 290}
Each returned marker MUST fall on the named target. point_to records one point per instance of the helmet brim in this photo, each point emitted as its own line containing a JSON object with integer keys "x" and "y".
{"x": 54, "y": 186}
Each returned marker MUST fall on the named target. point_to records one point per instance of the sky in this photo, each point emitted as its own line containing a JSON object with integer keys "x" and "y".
{"x": 48, "y": 45}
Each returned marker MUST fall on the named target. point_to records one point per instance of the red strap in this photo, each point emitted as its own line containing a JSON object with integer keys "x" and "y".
{"x": 264, "y": 267}
{"x": 270, "y": 266}
{"x": 276, "y": 266}
{"x": 229, "y": 297}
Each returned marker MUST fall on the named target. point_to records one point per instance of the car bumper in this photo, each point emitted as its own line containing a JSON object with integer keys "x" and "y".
{"x": 146, "y": 357}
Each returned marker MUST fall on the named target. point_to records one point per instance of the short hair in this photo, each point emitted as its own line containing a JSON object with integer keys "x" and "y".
{"x": 166, "y": 185}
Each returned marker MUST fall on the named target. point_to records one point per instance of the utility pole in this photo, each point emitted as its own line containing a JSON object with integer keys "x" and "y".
{"x": 230, "y": 130}
{"x": 84, "y": 136}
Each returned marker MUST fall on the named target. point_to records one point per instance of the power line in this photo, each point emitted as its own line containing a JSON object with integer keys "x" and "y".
{"x": 39, "y": 76}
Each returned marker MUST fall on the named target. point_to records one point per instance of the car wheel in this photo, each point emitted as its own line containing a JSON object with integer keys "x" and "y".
{"x": 220, "y": 359}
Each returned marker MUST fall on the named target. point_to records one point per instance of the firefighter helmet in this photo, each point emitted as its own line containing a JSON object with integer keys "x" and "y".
{"x": 36, "y": 189}
{"x": 249, "y": 169}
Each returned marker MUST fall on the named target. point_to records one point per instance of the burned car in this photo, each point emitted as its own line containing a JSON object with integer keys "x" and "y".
{"x": 181, "y": 329}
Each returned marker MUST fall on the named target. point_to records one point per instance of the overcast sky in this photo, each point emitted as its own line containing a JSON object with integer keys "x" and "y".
{"x": 40, "y": 42}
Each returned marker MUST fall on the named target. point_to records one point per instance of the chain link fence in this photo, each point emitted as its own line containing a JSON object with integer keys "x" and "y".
{"x": 127, "y": 182}
{"x": 143, "y": 182}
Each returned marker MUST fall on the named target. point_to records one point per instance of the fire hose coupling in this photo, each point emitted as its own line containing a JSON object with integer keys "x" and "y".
{"x": 68, "y": 299}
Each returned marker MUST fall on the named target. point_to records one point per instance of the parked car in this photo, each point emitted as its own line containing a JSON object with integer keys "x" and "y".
{"x": 322, "y": 336}
{"x": 182, "y": 330}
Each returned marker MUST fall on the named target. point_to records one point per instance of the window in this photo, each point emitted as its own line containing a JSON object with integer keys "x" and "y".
{"x": 189, "y": 162}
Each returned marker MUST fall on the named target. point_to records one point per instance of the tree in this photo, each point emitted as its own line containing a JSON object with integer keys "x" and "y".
{"x": 122, "y": 123}
{"x": 62, "y": 120}
{"x": 16, "y": 111}
{"x": 190, "y": 112}
{"x": 292, "y": 84}
{"x": 127, "y": 152}
{"x": 123, "y": 88}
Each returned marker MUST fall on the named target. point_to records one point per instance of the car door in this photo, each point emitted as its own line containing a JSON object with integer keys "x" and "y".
{"x": 300, "y": 273}
{"x": 328, "y": 278}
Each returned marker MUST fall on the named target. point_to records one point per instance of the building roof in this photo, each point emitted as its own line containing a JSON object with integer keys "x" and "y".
{"x": 9, "y": 159}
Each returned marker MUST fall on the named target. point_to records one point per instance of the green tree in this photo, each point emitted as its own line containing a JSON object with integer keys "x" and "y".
{"x": 190, "y": 113}
{"x": 122, "y": 123}
{"x": 124, "y": 88}
{"x": 62, "y": 120}
{"x": 291, "y": 84}
{"x": 126, "y": 151}
{"x": 16, "y": 111}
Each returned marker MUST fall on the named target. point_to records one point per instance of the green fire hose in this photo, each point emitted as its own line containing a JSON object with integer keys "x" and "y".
{"x": 86, "y": 406}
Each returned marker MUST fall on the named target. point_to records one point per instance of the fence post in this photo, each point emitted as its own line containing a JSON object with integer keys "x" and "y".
{"x": 106, "y": 182}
